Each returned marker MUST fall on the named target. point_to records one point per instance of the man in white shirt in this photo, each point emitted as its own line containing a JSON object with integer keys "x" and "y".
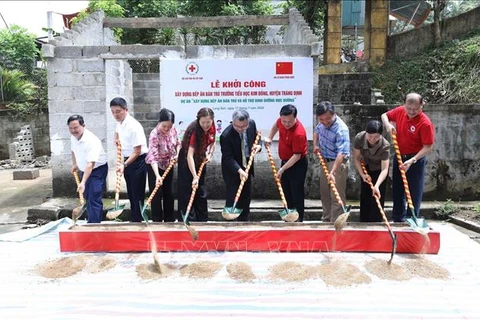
{"x": 89, "y": 158}
{"x": 129, "y": 132}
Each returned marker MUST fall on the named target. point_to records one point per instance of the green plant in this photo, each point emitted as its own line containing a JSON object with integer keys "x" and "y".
{"x": 477, "y": 208}
{"x": 446, "y": 209}
{"x": 17, "y": 49}
{"x": 15, "y": 87}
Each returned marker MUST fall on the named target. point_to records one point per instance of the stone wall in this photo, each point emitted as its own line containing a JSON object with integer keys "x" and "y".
{"x": 412, "y": 41}
{"x": 346, "y": 88}
{"x": 10, "y": 125}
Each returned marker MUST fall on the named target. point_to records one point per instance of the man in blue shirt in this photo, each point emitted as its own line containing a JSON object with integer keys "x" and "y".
{"x": 332, "y": 139}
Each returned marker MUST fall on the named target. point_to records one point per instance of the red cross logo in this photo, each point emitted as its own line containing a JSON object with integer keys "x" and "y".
{"x": 191, "y": 68}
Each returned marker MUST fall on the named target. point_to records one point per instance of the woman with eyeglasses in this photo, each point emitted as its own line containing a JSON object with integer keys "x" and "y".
{"x": 163, "y": 148}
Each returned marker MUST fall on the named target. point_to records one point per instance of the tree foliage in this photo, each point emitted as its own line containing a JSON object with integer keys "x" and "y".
{"x": 313, "y": 11}
{"x": 17, "y": 49}
{"x": 448, "y": 74}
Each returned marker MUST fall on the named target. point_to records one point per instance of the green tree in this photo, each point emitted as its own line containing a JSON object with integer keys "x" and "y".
{"x": 313, "y": 11}
{"x": 17, "y": 49}
{"x": 15, "y": 87}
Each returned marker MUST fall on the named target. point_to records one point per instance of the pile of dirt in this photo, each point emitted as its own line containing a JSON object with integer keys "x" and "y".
{"x": 341, "y": 274}
{"x": 292, "y": 272}
{"x": 149, "y": 271}
{"x": 101, "y": 264}
{"x": 240, "y": 271}
{"x": 426, "y": 269}
{"x": 201, "y": 270}
{"x": 386, "y": 271}
{"x": 63, "y": 267}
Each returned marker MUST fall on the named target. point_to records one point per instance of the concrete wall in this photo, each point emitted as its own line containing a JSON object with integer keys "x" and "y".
{"x": 146, "y": 97}
{"x": 77, "y": 84}
{"x": 10, "y": 125}
{"x": 407, "y": 43}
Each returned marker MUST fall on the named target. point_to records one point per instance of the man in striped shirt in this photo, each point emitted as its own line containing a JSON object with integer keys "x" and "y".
{"x": 332, "y": 139}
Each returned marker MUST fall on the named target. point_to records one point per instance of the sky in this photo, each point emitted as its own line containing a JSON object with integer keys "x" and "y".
{"x": 32, "y": 15}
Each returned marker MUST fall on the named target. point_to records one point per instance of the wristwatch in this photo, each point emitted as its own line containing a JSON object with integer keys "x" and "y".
{"x": 414, "y": 160}
{"x": 125, "y": 164}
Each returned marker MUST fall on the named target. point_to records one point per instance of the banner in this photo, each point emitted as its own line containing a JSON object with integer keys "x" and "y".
{"x": 260, "y": 86}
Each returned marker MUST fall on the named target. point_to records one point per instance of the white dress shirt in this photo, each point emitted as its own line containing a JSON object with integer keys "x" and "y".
{"x": 131, "y": 135}
{"x": 88, "y": 149}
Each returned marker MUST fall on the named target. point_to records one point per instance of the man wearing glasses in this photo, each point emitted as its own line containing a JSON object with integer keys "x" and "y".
{"x": 88, "y": 157}
{"x": 236, "y": 143}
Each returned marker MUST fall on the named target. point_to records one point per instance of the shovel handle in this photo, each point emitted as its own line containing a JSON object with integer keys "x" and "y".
{"x": 330, "y": 182}
{"x": 80, "y": 194}
{"x": 402, "y": 172}
{"x": 194, "y": 189}
{"x": 377, "y": 200}
{"x": 249, "y": 164}
{"x": 119, "y": 162}
{"x": 164, "y": 175}
{"x": 277, "y": 181}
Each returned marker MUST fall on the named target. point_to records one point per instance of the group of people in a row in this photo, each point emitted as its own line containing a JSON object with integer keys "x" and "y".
{"x": 331, "y": 140}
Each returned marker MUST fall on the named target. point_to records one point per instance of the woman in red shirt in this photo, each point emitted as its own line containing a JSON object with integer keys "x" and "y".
{"x": 199, "y": 138}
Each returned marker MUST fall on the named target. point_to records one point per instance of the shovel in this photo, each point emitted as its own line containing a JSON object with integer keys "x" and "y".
{"x": 288, "y": 215}
{"x": 232, "y": 213}
{"x": 384, "y": 217}
{"x": 118, "y": 209}
{"x": 154, "y": 192}
{"x": 341, "y": 221}
{"x": 414, "y": 222}
{"x": 145, "y": 217}
{"x": 193, "y": 232}
{"x": 78, "y": 211}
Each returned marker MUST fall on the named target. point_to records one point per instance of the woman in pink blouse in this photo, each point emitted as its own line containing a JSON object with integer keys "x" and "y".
{"x": 163, "y": 148}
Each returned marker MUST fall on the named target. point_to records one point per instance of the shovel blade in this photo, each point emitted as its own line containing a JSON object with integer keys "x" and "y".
{"x": 231, "y": 213}
{"x": 115, "y": 212}
{"x": 417, "y": 222}
{"x": 288, "y": 215}
{"x": 78, "y": 212}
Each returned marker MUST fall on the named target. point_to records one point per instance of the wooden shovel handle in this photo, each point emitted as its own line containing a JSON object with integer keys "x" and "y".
{"x": 379, "y": 205}
{"x": 330, "y": 182}
{"x": 249, "y": 164}
{"x": 277, "y": 181}
{"x": 402, "y": 171}
{"x": 80, "y": 194}
{"x": 119, "y": 162}
{"x": 164, "y": 175}
{"x": 194, "y": 189}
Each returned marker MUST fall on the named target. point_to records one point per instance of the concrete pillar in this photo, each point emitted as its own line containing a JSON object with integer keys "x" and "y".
{"x": 376, "y": 31}
{"x": 333, "y": 36}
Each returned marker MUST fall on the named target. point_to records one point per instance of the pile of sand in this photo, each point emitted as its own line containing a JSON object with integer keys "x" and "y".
{"x": 386, "y": 271}
{"x": 149, "y": 271}
{"x": 201, "y": 270}
{"x": 62, "y": 267}
{"x": 340, "y": 274}
{"x": 101, "y": 264}
{"x": 426, "y": 269}
{"x": 292, "y": 272}
{"x": 240, "y": 271}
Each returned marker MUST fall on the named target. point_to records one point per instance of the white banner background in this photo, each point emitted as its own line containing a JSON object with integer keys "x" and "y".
{"x": 261, "y": 86}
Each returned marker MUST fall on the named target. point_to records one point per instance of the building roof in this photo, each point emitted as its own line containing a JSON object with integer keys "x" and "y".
{"x": 412, "y": 11}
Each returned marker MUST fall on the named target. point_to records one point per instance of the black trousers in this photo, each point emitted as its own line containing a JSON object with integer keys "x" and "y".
{"x": 199, "y": 211}
{"x": 368, "y": 206}
{"x": 135, "y": 175}
{"x": 161, "y": 212}
{"x": 231, "y": 187}
{"x": 293, "y": 184}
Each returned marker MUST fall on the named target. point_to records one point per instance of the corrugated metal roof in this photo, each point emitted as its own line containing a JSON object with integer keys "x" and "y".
{"x": 413, "y": 11}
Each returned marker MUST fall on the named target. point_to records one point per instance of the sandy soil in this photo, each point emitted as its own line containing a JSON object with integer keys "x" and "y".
{"x": 62, "y": 267}
{"x": 424, "y": 268}
{"x": 240, "y": 271}
{"x": 201, "y": 270}
{"x": 149, "y": 271}
{"x": 101, "y": 264}
{"x": 292, "y": 272}
{"x": 339, "y": 273}
{"x": 386, "y": 271}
